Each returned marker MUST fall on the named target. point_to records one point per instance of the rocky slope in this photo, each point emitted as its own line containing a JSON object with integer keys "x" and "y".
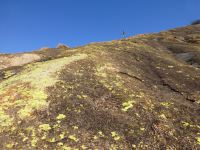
{"x": 141, "y": 92}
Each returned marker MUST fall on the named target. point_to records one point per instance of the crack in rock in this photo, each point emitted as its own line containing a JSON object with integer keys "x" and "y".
{"x": 131, "y": 76}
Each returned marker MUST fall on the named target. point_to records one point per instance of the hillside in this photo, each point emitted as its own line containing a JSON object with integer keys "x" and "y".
{"x": 142, "y": 92}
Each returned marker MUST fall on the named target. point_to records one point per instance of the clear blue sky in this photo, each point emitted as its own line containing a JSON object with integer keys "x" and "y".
{"x": 26, "y": 25}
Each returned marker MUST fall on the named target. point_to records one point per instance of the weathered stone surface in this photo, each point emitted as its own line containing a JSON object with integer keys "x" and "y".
{"x": 132, "y": 93}
{"x": 10, "y": 60}
{"x": 185, "y": 56}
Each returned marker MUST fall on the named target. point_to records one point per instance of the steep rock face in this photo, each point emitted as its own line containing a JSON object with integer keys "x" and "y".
{"x": 141, "y": 92}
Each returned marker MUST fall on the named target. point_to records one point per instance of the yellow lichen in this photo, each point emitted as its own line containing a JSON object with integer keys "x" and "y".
{"x": 142, "y": 129}
{"x": 10, "y": 145}
{"x": 34, "y": 142}
{"x": 25, "y": 139}
{"x": 115, "y": 136}
{"x": 62, "y": 135}
{"x": 95, "y": 137}
{"x": 84, "y": 96}
{"x": 66, "y": 147}
{"x": 84, "y": 147}
{"x": 45, "y": 127}
{"x": 60, "y": 144}
{"x": 127, "y": 105}
{"x": 185, "y": 124}
{"x": 58, "y": 121}
{"x": 60, "y": 116}
{"x": 101, "y": 133}
{"x": 52, "y": 140}
{"x": 5, "y": 120}
{"x": 113, "y": 147}
{"x": 163, "y": 116}
{"x": 170, "y": 66}
{"x": 30, "y": 85}
{"x": 198, "y": 140}
{"x": 134, "y": 146}
{"x": 73, "y": 137}
{"x": 166, "y": 104}
{"x": 44, "y": 137}
{"x": 75, "y": 127}
{"x": 56, "y": 125}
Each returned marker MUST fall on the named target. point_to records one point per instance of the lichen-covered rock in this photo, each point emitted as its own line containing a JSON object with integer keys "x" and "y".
{"x": 133, "y": 93}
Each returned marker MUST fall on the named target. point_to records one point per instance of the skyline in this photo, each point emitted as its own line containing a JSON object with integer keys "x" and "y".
{"x": 31, "y": 25}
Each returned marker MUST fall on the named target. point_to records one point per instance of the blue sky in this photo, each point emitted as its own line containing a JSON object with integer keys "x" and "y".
{"x": 27, "y": 25}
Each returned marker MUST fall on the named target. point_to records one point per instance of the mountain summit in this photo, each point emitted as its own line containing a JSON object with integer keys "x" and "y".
{"x": 140, "y": 92}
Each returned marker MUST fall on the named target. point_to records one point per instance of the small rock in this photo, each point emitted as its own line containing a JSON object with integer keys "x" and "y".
{"x": 62, "y": 46}
{"x": 185, "y": 56}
